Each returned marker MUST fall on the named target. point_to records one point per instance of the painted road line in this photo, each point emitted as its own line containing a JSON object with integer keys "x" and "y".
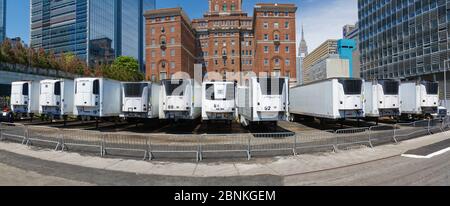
{"x": 427, "y": 156}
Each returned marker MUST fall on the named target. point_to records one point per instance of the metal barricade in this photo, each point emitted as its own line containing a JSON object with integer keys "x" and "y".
{"x": 270, "y": 142}
{"x": 124, "y": 142}
{"x": 404, "y": 131}
{"x": 382, "y": 134}
{"x": 13, "y": 132}
{"x": 174, "y": 144}
{"x": 44, "y": 136}
{"x": 82, "y": 139}
{"x": 353, "y": 136}
{"x": 436, "y": 126}
{"x": 225, "y": 143}
{"x": 309, "y": 140}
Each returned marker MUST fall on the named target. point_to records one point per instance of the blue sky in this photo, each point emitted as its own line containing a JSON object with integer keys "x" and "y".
{"x": 322, "y": 19}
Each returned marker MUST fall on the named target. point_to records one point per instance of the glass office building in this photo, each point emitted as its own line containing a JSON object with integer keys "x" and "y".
{"x": 2, "y": 20}
{"x": 405, "y": 39}
{"x": 95, "y": 30}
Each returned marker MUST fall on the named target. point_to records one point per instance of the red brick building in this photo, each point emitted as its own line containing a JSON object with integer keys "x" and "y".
{"x": 225, "y": 40}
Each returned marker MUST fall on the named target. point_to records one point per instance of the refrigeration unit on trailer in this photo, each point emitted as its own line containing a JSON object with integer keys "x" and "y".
{"x": 419, "y": 98}
{"x": 336, "y": 98}
{"x": 56, "y": 98}
{"x": 180, "y": 99}
{"x": 218, "y": 101}
{"x": 25, "y": 98}
{"x": 381, "y": 98}
{"x": 140, "y": 100}
{"x": 263, "y": 99}
{"x": 97, "y": 97}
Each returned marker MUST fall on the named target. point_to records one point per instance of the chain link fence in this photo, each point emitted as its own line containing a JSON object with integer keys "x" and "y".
{"x": 199, "y": 147}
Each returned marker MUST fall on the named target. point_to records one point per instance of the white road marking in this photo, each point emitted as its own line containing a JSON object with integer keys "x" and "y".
{"x": 428, "y": 156}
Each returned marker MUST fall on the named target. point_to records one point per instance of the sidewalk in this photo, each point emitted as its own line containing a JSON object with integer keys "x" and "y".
{"x": 279, "y": 166}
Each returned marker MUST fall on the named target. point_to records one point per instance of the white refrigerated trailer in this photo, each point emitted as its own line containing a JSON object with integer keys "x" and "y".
{"x": 381, "y": 98}
{"x": 419, "y": 98}
{"x": 56, "y": 98}
{"x": 336, "y": 98}
{"x": 263, "y": 99}
{"x": 97, "y": 98}
{"x": 180, "y": 99}
{"x": 25, "y": 98}
{"x": 140, "y": 100}
{"x": 218, "y": 101}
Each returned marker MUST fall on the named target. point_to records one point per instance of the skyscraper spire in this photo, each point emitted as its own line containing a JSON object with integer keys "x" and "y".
{"x": 303, "y": 47}
{"x": 303, "y": 34}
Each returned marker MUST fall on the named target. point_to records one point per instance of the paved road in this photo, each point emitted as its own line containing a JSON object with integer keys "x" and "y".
{"x": 395, "y": 171}
{"x": 22, "y": 170}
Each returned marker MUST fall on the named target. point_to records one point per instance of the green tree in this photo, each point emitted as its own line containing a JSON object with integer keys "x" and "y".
{"x": 123, "y": 69}
{"x": 7, "y": 54}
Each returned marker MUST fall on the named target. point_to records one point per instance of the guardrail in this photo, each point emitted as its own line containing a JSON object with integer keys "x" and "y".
{"x": 150, "y": 146}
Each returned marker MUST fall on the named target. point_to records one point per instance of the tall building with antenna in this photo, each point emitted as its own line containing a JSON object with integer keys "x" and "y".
{"x": 302, "y": 52}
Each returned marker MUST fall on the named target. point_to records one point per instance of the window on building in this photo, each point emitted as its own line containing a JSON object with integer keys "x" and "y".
{"x": 153, "y": 67}
{"x": 224, "y": 52}
{"x": 162, "y": 75}
{"x": 287, "y": 62}
{"x": 163, "y": 40}
{"x": 232, "y": 61}
{"x": 277, "y": 48}
{"x": 286, "y": 37}
{"x": 153, "y": 54}
{"x": 266, "y": 62}
{"x": 172, "y": 52}
{"x": 216, "y": 62}
{"x": 265, "y": 14}
{"x": 233, "y": 42}
{"x": 216, "y": 7}
{"x": 215, "y": 52}
{"x": 276, "y": 25}
{"x": 224, "y": 7}
{"x": 286, "y": 25}
{"x": 172, "y": 18}
{"x": 172, "y": 29}
{"x": 172, "y": 65}
{"x": 277, "y": 62}
{"x": 153, "y": 30}
{"x": 163, "y": 53}
{"x": 233, "y": 7}
{"x": 276, "y": 37}
{"x": 172, "y": 40}
{"x": 266, "y": 25}
{"x": 276, "y": 13}
{"x": 266, "y": 49}
{"x": 250, "y": 43}
{"x": 287, "y": 49}
{"x": 153, "y": 42}
{"x": 233, "y": 52}
{"x": 266, "y": 37}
